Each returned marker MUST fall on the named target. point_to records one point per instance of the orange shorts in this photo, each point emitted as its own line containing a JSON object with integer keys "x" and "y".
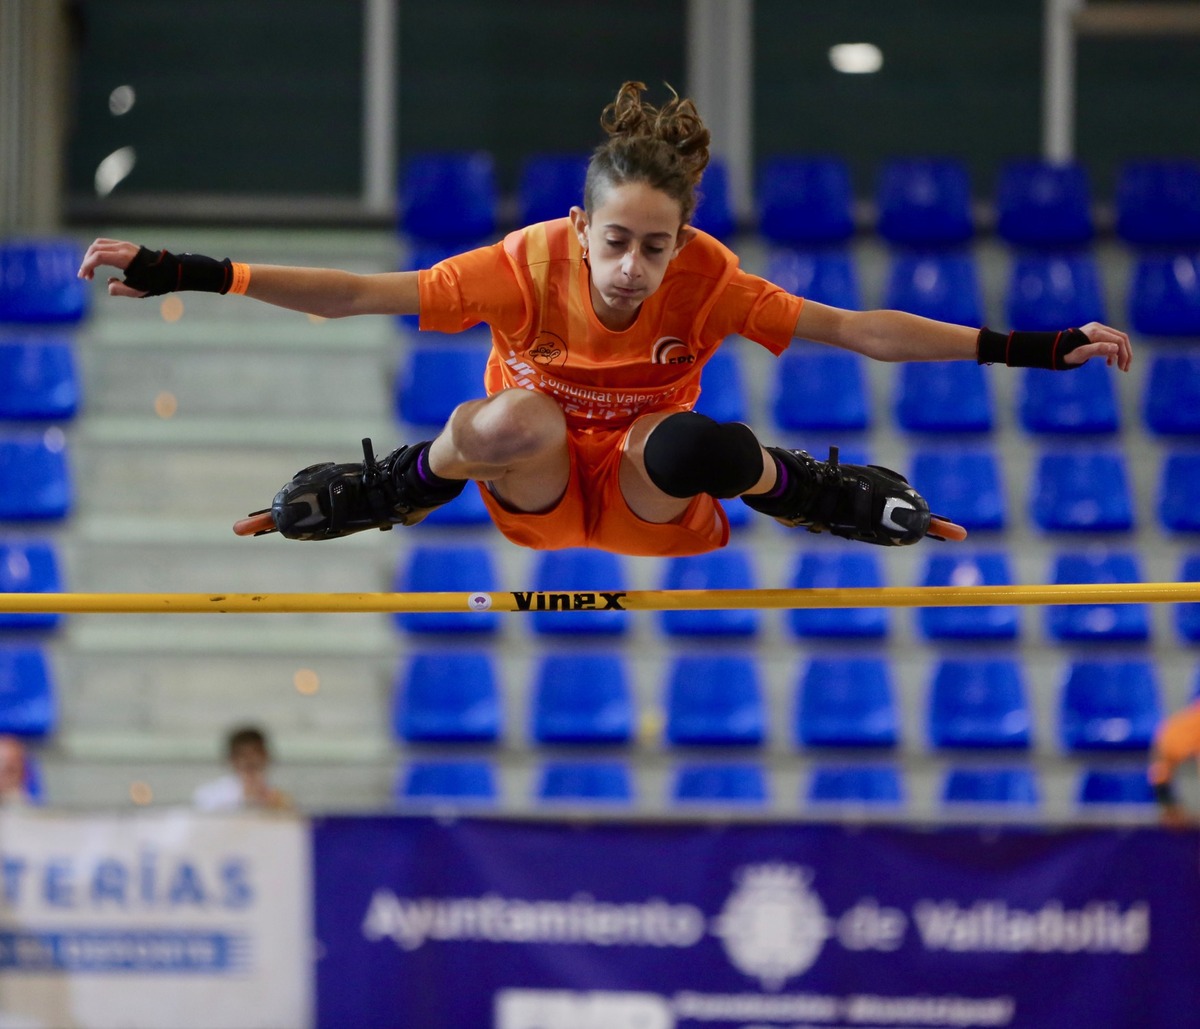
{"x": 593, "y": 512}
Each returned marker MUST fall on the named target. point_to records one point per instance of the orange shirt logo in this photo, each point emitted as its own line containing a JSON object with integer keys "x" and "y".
{"x": 548, "y": 348}
{"x": 671, "y": 350}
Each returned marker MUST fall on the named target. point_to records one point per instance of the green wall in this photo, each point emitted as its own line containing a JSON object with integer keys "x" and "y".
{"x": 265, "y": 96}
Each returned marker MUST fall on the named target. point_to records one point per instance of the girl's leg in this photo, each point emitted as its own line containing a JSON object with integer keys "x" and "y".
{"x": 671, "y": 457}
{"x": 515, "y": 440}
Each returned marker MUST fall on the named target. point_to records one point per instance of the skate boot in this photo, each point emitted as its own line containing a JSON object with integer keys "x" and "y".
{"x": 857, "y": 502}
{"x": 325, "y": 501}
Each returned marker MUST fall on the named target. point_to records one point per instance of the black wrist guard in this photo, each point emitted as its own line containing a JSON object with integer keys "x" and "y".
{"x": 156, "y": 273}
{"x": 1029, "y": 349}
{"x": 1164, "y": 794}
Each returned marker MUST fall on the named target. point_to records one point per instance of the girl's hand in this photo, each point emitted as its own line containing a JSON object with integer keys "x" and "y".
{"x": 111, "y": 253}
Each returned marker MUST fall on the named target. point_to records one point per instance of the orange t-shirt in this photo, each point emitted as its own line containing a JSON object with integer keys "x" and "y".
{"x": 532, "y": 289}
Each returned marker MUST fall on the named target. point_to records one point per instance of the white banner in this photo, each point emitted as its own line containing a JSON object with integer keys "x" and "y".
{"x": 159, "y": 920}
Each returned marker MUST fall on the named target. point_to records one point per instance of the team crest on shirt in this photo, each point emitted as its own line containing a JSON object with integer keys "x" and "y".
{"x": 548, "y": 349}
{"x": 671, "y": 350}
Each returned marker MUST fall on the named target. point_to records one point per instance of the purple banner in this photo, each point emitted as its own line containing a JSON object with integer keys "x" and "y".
{"x": 528, "y": 925}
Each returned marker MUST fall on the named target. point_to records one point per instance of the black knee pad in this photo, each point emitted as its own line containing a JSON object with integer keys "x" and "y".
{"x": 689, "y": 453}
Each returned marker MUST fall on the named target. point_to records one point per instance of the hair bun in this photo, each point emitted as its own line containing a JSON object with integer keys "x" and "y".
{"x": 666, "y": 147}
{"x": 677, "y": 123}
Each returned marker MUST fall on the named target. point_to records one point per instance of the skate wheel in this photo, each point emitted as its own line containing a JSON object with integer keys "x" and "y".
{"x": 255, "y": 524}
{"x": 942, "y": 529}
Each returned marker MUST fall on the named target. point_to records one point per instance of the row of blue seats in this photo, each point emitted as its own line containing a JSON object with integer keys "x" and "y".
{"x": 822, "y": 389}
{"x": 807, "y": 200}
{"x": 39, "y": 283}
{"x": 1045, "y": 292}
{"x": 717, "y": 700}
{"x": 816, "y": 388}
{"x": 1084, "y": 489}
{"x": 747, "y": 784}
{"x": 32, "y": 566}
{"x": 469, "y": 568}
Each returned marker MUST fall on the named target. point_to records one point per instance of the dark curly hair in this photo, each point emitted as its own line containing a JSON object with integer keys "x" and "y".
{"x": 665, "y": 147}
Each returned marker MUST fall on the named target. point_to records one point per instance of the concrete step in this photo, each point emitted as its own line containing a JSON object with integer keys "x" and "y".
{"x": 181, "y": 381}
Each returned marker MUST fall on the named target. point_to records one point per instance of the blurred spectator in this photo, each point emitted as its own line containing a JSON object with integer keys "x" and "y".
{"x": 246, "y": 786}
{"x": 1176, "y": 740}
{"x": 14, "y": 772}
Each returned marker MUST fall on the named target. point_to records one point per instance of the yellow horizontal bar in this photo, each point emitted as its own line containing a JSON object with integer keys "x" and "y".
{"x": 585, "y": 600}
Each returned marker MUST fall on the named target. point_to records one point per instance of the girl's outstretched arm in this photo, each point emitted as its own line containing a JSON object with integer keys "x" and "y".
{"x": 327, "y": 292}
{"x": 898, "y": 336}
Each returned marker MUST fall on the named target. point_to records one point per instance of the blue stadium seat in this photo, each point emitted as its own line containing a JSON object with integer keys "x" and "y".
{"x": 28, "y": 701}
{"x": 1114, "y": 786}
{"x": 466, "y": 509}
{"x": 39, "y": 379}
{"x": 1164, "y": 295}
{"x": 942, "y": 285}
{"x": 35, "y": 483}
{"x": 1097, "y": 622}
{"x": 728, "y": 569}
{"x": 821, "y": 388}
{"x": 468, "y": 782}
{"x": 714, "y": 213}
{"x": 1158, "y": 202}
{"x": 443, "y": 568}
{"x": 985, "y": 622}
{"x": 1083, "y": 402}
{"x": 1015, "y": 786}
{"x": 447, "y": 696}
{"x": 804, "y": 201}
{"x": 584, "y": 569}
{"x": 1110, "y": 705}
{"x": 1187, "y": 616}
{"x": 449, "y": 197}
{"x": 846, "y": 702}
{"x": 738, "y": 514}
{"x": 979, "y": 703}
{"x": 549, "y": 185}
{"x": 837, "y": 568}
{"x": 585, "y": 782}
{"x": 435, "y": 378}
{"x": 856, "y": 784}
{"x": 924, "y": 202}
{"x": 741, "y": 783}
{"x": 714, "y": 700}
{"x": 29, "y": 566}
{"x": 723, "y": 388}
{"x": 582, "y": 697}
{"x": 1171, "y": 395}
{"x": 1082, "y": 490}
{"x": 963, "y": 484}
{"x": 39, "y": 284}
{"x": 828, "y": 276}
{"x": 1048, "y": 292}
{"x": 1179, "y": 492}
{"x": 1044, "y": 204}
{"x": 942, "y": 396}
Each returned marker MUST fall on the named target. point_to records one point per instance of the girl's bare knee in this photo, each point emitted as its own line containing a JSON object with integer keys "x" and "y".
{"x": 509, "y": 427}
